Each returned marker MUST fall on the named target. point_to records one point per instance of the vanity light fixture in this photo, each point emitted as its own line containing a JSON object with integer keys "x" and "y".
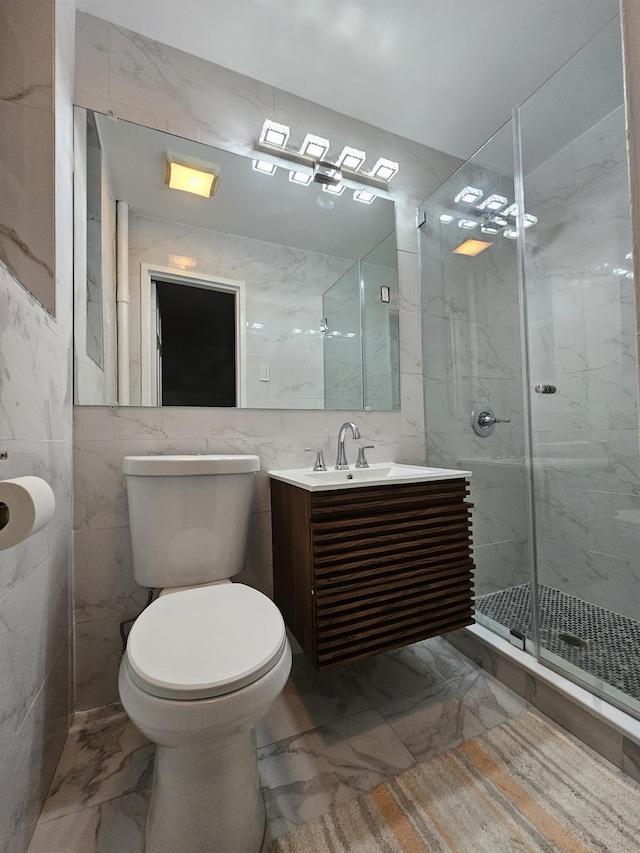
{"x": 385, "y": 169}
{"x": 334, "y": 189}
{"x": 512, "y": 210}
{"x": 467, "y": 224}
{"x": 364, "y": 196}
{"x": 529, "y": 219}
{"x": 446, "y": 218}
{"x": 491, "y": 228}
{"x": 326, "y": 173}
{"x": 302, "y": 178}
{"x": 510, "y": 233}
{"x": 196, "y": 178}
{"x": 264, "y": 167}
{"x": 621, "y": 271}
{"x": 351, "y": 158}
{"x": 468, "y": 195}
{"x": 274, "y": 134}
{"x": 471, "y": 248}
{"x": 498, "y": 221}
{"x": 493, "y": 202}
{"x": 314, "y": 146}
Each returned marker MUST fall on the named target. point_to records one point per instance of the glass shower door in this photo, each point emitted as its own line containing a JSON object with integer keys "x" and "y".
{"x": 581, "y": 371}
{"x": 343, "y": 376}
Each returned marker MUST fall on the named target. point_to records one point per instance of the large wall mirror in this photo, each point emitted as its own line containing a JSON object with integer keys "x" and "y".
{"x": 244, "y": 287}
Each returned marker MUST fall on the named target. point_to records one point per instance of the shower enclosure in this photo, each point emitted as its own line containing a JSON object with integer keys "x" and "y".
{"x": 361, "y": 345}
{"x": 528, "y": 304}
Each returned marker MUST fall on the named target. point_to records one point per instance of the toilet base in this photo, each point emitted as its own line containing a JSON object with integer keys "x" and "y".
{"x": 206, "y": 801}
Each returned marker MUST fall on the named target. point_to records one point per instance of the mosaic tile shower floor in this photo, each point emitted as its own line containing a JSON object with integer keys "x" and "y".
{"x": 598, "y": 641}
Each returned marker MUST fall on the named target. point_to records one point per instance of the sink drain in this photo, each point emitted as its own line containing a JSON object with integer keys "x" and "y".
{"x": 574, "y": 640}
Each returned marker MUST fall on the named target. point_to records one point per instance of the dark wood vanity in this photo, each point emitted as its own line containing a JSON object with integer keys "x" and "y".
{"x": 359, "y": 571}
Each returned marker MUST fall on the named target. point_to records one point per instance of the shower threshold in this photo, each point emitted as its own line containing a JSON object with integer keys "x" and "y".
{"x": 603, "y": 644}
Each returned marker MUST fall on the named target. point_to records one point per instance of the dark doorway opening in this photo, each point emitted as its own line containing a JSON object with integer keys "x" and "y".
{"x": 197, "y": 345}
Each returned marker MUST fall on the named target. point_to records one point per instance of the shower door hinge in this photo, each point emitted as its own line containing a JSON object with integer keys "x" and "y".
{"x": 421, "y": 219}
{"x": 517, "y": 639}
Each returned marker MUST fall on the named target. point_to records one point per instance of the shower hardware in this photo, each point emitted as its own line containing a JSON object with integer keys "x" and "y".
{"x": 545, "y": 388}
{"x": 483, "y": 421}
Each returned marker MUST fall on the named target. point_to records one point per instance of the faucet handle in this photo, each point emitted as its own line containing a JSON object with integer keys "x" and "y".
{"x": 362, "y": 459}
{"x": 319, "y": 463}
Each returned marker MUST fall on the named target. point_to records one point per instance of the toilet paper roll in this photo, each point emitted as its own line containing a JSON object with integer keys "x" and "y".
{"x": 26, "y": 505}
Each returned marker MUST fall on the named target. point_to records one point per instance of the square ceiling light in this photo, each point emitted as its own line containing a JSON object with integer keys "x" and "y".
{"x": 274, "y": 134}
{"x": 469, "y": 195}
{"x": 264, "y": 167}
{"x": 351, "y": 158}
{"x": 468, "y": 224}
{"x": 493, "y": 202}
{"x": 314, "y": 146}
{"x": 198, "y": 179}
{"x": 334, "y": 189}
{"x": 446, "y": 218}
{"x": 471, "y": 248}
{"x": 302, "y": 178}
{"x": 384, "y": 169}
{"x": 364, "y": 196}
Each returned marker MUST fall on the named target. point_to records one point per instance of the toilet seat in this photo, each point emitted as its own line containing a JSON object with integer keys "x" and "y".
{"x": 205, "y": 642}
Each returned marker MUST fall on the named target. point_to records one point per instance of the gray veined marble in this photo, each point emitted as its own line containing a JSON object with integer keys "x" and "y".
{"x": 322, "y": 744}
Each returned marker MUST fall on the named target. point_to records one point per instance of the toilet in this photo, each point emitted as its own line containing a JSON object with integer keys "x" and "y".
{"x": 206, "y": 660}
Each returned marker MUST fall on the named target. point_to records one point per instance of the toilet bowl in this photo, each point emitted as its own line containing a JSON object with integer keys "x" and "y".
{"x": 204, "y": 662}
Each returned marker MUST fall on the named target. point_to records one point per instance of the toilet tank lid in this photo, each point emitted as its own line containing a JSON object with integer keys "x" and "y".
{"x": 179, "y": 466}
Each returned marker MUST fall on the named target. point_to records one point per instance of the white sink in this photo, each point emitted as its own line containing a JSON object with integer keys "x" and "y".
{"x": 377, "y": 474}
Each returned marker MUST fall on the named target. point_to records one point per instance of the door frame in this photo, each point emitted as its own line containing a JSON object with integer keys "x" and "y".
{"x": 148, "y": 324}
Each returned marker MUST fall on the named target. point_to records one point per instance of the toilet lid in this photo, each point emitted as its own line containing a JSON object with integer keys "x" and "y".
{"x": 204, "y": 642}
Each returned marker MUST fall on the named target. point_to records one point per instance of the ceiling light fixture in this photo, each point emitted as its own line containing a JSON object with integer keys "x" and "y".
{"x": 274, "y": 134}
{"x": 302, "y": 178}
{"x": 351, "y": 158}
{"x": 314, "y": 146}
{"x": 446, "y": 218}
{"x": 493, "y": 202}
{"x": 384, "y": 169}
{"x": 471, "y": 248}
{"x": 196, "y": 178}
{"x": 510, "y": 233}
{"x": 264, "y": 167}
{"x": 512, "y": 210}
{"x": 529, "y": 219}
{"x": 468, "y": 195}
{"x": 467, "y": 224}
{"x": 364, "y": 196}
{"x": 490, "y": 228}
{"x": 496, "y": 220}
{"x": 334, "y": 189}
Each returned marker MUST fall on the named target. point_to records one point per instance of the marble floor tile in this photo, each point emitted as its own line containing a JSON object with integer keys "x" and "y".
{"x": 105, "y": 757}
{"x": 409, "y": 670}
{"x": 115, "y": 826}
{"x": 304, "y": 776}
{"x": 443, "y": 716}
{"x": 311, "y": 699}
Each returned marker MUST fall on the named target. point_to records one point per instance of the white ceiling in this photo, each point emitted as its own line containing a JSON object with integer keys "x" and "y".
{"x": 443, "y": 72}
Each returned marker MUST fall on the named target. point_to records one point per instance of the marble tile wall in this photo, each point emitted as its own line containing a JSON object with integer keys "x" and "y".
{"x": 27, "y": 169}
{"x": 35, "y": 429}
{"x": 283, "y": 287}
{"x": 582, "y": 339}
{"x": 158, "y": 86}
{"x": 471, "y": 346}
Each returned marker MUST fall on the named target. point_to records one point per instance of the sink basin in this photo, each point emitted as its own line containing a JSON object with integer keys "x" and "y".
{"x": 377, "y": 474}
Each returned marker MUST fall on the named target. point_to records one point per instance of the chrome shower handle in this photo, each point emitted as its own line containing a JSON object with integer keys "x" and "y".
{"x": 486, "y": 420}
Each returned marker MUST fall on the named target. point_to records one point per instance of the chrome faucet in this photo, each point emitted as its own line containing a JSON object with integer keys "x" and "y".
{"x": 341, "y": 461}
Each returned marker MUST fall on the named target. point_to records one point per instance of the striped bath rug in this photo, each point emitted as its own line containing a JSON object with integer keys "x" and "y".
{"x": 521, "y": 786}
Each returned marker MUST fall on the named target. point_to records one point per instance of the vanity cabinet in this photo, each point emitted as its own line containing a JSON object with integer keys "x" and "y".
{"x": 359, "y": 571}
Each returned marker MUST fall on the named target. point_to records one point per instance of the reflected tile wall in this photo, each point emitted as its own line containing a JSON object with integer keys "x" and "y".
{"x": 164, "y": 88}
{"x": 35, "y": 429}
{"x": 471, "y": 354}
{"x": 284, "y": 288}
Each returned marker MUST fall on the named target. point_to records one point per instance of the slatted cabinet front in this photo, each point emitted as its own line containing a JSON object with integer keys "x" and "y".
{"x": 365, "y": 570}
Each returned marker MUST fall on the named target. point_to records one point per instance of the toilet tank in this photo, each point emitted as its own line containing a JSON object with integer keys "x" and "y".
{"x": 189, "y": 517}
